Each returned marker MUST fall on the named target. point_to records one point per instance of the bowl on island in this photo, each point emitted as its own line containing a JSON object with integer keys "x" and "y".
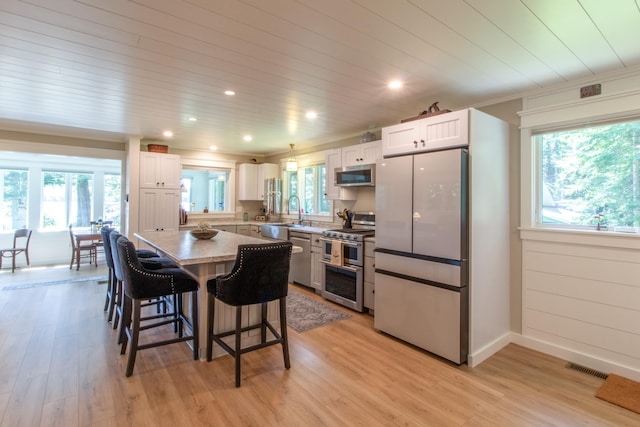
{"x": 204, "y": 234}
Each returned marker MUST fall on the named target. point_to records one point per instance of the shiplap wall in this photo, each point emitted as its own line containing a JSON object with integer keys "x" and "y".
{"x": 584, "y": 298}
{"x": 580, "y": 288}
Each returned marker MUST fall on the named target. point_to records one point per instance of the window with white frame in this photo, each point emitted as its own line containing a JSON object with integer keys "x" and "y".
{"x": 590, "y": 176}
{"x": 308, "y": 184}
{"x": 206, "y": 187}
{"x": 13, "y": 198}
{"x": 47, "y": 192}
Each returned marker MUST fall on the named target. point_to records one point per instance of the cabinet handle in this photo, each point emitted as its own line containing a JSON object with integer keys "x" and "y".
{"x": 415, "y": 144}
{"x": 157, "y": 184}
{"x": 423, "y": 144}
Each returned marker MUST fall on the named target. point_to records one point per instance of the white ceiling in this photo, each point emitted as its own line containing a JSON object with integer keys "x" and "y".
{"x": 112, "y": 68}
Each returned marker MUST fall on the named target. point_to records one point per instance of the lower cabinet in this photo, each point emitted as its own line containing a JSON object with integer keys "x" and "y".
{"x": 369, "y": 275}
{"x": 229, "y": 228}
{"x": 317, "y": 268}
{"x": 159, "y": 210}
{"x": 245, "y": 230}
{"x": 255, "y": 231}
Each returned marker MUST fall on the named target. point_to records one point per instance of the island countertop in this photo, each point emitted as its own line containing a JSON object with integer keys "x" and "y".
{"x": 184, "y": 249}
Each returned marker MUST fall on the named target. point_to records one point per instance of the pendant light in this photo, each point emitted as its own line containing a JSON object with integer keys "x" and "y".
{"x": 292, "y": 164}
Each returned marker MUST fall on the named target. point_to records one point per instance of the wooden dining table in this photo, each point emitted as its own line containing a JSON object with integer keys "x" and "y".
{"x": 95, "y": 238}
{"x": 205, "y": 260}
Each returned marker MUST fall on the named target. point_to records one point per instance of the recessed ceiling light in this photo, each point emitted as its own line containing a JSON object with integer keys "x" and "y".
{"x": 229, "y": 92}
{"x": 193, "y": 119}
{"x": 167, "y": 133}
{"x": 395, "y": 84}
{"x": 311, "y": 115}
{"x": 247, "y": 138}
{"x": 213, "y": 148}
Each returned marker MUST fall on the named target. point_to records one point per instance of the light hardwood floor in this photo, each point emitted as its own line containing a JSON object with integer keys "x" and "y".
{"x": 60, "y": 366}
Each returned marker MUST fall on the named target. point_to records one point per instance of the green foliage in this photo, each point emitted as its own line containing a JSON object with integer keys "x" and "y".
{"x": 595, "y": 171}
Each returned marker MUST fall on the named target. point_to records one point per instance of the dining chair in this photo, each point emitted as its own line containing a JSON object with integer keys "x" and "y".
{"x": 140, "y": 285}
{"x": 260, "y": 275}
{"x": 80, "y": 251}
{"x": 22, "y": 235}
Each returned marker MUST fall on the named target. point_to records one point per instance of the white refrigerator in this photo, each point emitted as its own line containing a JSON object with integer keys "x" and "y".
{"x": 421, "y": 258}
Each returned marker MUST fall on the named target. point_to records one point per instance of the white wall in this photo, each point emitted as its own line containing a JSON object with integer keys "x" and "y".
{"x": 581, "y": 292}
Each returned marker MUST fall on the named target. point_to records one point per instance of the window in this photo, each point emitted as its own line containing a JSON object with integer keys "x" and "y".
{"x": 112, "y": 197}
{"x": 206, "y": 188}
{"x": 590, "y": 175}
{"x": 13, "y": 199}
{"x": 66, "y": 199}
{"x": 308, "y": 184}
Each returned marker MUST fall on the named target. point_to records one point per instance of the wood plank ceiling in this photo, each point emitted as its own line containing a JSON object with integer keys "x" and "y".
{"x": 110, "y": 69}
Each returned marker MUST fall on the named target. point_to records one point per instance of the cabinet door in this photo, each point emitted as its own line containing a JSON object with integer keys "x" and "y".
{"x": 447, "y": 130}
{"x": 245, "y": 230}
{"x": 159, "y": 210}
{"x": 352, "y": 155}
{"x": 333, "y": 160}
{"x": 317, "y": 268}
{"x": 265, "y": 171}
{"x": 160, "y": 170}
{"x": 255, "y": 231}
{"x": 394, "y": 186}
{"x": 371, "y": 152}
{"x": 400, "y": 139}
{"x": 248, "y": 182}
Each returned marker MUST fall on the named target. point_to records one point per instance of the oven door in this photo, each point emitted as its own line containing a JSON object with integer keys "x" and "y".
{"x": 343, "y": 285}
{"x": 352, "y": 252}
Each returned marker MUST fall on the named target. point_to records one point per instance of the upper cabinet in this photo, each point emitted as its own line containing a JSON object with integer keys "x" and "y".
{"x": 251, "y": 179}
{"x": 333, "y": 160}
{"x": 362, "y": 154}
{"x": 158, "y": 170}
{"x": 446, "y": 130}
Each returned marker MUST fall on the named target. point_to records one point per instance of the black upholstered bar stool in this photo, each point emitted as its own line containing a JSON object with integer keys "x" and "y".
{"x": 141, "y": 284}
{"x": 260, "y": 274}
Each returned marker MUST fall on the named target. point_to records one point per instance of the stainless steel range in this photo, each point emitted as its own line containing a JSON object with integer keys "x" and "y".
{"x": 343, "y": 258}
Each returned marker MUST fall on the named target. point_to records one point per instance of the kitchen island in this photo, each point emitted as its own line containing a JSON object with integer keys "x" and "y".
{"x": 204, "y": 260}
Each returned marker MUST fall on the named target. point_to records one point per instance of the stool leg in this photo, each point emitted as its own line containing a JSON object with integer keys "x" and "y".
{"x": 283, "y": 332}
{"x": 117, "y": 289}
{"x": 125, "y": 321}
{"x": 238, "y": 342}
{"x": 263, "y": 326}
{"x": 195, "y": 329}
{"x": 135, "y": 333}
{"x": 211, "y": 304}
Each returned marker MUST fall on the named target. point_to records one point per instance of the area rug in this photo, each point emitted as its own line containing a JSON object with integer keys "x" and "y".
{"x": 304, "y": 313}
{"x": 621, "y": 391}
{"x": 100, "y": 279}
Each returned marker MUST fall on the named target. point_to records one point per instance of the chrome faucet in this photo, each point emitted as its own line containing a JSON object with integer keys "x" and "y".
{"x": 299, "y": 210}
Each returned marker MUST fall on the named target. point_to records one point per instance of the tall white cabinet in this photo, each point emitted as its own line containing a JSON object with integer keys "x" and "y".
{"x": 160, "y": 193}
{"x": 251, "y": 179}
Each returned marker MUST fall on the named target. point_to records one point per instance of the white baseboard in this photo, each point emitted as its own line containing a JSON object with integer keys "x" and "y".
{"x": 576, "y": 357}
{"x": 488, "y": 350}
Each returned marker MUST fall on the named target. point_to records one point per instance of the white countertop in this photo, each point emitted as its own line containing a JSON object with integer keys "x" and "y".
{"x": 185, "y": 249}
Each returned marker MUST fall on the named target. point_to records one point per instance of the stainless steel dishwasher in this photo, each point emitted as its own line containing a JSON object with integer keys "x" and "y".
{"x": 300, "y": 271}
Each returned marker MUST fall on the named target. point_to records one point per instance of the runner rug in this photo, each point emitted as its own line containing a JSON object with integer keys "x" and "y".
{"x": 304, "y": 313}
{"x": 621, "y": 391}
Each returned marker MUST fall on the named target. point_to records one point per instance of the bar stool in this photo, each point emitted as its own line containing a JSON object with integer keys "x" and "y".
{"x": 260, "y": 274}
{"x": 141, "y": 284}
{"x": 149, "y": 260}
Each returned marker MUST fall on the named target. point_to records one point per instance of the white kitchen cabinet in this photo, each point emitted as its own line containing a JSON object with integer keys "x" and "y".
{"x": 159, "y": 209}
{"x": 333, "y": 160}
{"x": 225, "y": 227}
{"x": 369, "y": 275}
{"x": 255, "y": 231}
{"x": 317, "y": 268}
{"x": 362, "y": 154}
{"x": 251, "y": 179}
{"x": 446, "y": 130}
{"x": 158, "y": 170}
{"x": 245, "y": 230}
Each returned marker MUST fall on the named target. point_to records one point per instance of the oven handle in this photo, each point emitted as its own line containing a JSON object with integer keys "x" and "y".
{"x": 345, "y": 267}
{"x": 344, "y": 242}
